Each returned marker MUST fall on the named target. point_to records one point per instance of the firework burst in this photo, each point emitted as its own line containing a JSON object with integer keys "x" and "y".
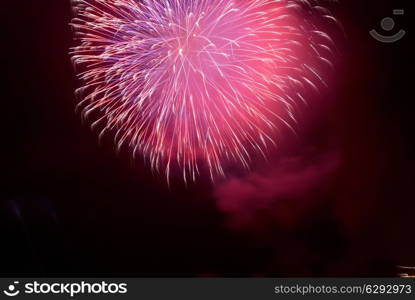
{"x": 191, "y": 83}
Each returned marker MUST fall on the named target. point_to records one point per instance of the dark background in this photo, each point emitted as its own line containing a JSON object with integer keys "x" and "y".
{"x": 71, "y": 207}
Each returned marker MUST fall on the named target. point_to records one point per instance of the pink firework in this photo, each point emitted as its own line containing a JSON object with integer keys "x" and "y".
{"x": 191, "y": 83}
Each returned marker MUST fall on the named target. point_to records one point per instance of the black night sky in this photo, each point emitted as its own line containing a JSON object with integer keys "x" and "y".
{"x": 71, "y": 206}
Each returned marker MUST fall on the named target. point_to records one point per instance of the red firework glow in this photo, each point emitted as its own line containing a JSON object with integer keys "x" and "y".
{"x": 198, "y": 82}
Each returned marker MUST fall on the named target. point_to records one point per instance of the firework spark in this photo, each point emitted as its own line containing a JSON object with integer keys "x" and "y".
{"x": 188, "y": 83}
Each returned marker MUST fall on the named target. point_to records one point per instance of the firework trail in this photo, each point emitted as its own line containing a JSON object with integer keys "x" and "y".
{"x": 191, "y": 83}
